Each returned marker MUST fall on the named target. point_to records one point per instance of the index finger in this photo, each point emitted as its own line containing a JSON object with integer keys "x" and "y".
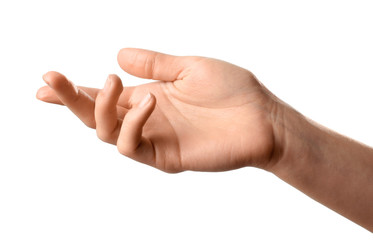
{"x": 47, "y": 94}
{"x": 78, "y": 101}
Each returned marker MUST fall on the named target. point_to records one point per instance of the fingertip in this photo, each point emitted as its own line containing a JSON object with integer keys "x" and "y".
{"x": 113, "y": 85}
{"x": 121, "y": 57}
{"x": 153, "y": 100}
{"x": 148, "y": 99}
{"x": 116, "y": 81}
{"x": 54, "y": 79}
{"x": 42, "y": 93}
{"x": 151, "y": 65}
{"x": 145, "y": 108}
{"x": 123, "y": 51}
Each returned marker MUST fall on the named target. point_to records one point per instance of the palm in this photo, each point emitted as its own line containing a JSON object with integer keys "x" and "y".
{"x": 207, "y": 122}
{"x": 210, "y": 115}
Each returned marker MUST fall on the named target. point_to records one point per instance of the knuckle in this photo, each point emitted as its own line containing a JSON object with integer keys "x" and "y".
{"x": 124, "y": 149}
{"x": 130, "y": 121}
{"x": 56, "y": 80}
{"x": 77, "y": 96}
{"x": 150, "y": 65}
{"x": 90, "y": 123}
{"x": 172, "y": 171}
{"x": 104, "y": 136}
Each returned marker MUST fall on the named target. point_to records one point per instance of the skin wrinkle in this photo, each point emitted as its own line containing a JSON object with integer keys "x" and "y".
{"x": 150, "y": 64}
{"x": 276, "y": 153}
{"x": 178, "y": 142}
{"x": 183, "y": 105}
{"x": 155, "y": 153}
{"x": 167, "y": 87}
{"x": 167, "y": 96}
{"x": 184, "y": 99}
{"x": 186, "y": 70}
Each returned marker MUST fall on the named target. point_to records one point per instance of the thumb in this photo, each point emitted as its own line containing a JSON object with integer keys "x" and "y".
{"x": 153, "y": 65}
{"x": 130, "y": 142}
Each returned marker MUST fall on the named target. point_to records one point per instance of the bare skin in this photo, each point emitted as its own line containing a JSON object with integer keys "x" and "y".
{"x": 208, "y": 115}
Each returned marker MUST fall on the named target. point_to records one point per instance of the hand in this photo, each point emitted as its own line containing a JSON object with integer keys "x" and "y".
{"x": 203, "y": 114}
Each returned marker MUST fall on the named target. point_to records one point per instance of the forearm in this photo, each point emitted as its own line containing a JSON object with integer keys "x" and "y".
{"x": 330, "y": 168}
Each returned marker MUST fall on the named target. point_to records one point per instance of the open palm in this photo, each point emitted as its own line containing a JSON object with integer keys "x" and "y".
{"x": 203, "y": 114}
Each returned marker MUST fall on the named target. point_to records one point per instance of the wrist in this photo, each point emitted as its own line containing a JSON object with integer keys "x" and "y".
{"x": 300, "y": 148}
{"x": 296, "y": 139}
{"x": 328, "y": 167}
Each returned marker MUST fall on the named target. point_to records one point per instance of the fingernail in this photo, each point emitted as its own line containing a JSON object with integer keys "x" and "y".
{"x": 145, "y": 100}
{"x": 107, "y": 84}
{"x": 45, "y": 79}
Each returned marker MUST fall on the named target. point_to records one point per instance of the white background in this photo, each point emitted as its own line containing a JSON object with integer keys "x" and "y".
{"x": 58, "y": 181}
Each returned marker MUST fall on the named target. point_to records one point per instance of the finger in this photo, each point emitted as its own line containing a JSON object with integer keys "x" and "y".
{"x": 107, "y": 122}
{"x": 78, "y": 101}
{"x": 130, "y": 142}
{"x": 47, "y": 94}
{"x": 152, "y": 65}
